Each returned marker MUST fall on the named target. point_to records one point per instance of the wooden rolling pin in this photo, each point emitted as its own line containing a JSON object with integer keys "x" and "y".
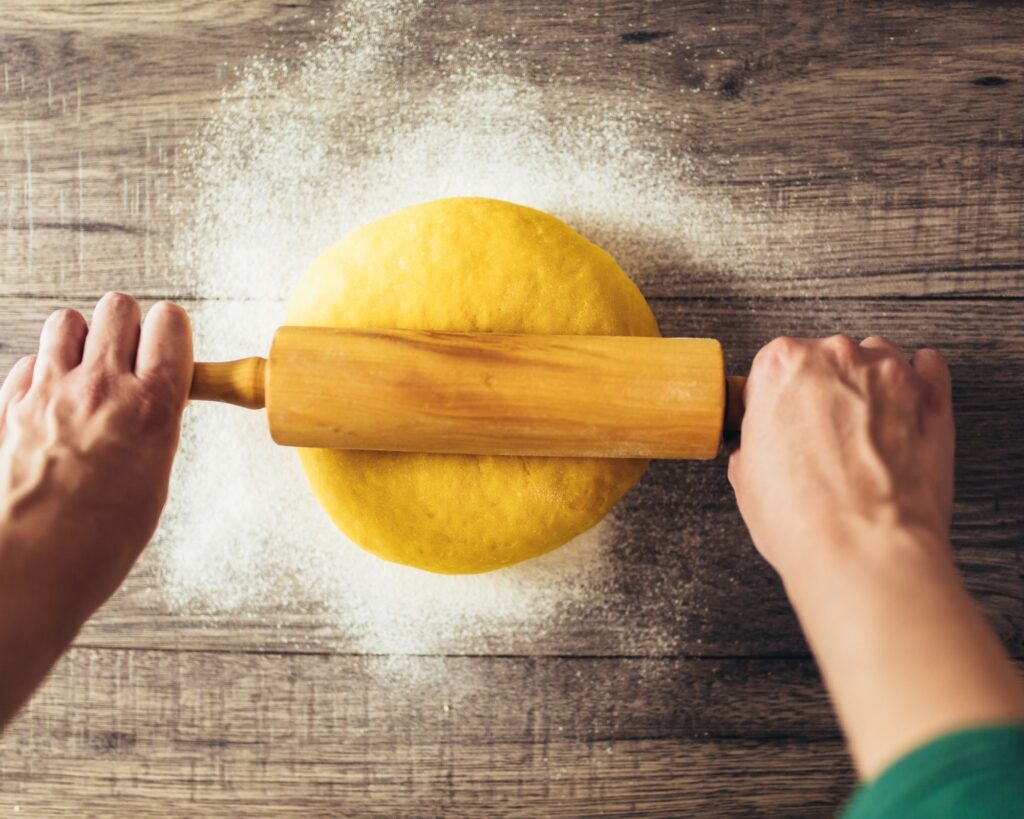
{"x": 486, "y": 393}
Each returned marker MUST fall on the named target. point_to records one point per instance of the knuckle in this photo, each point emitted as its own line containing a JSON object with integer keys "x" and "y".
{"x": 894, "y": 371}
{"x": 169, "y": 322}
{"x": 56, "y": 409}
{"x": 64, "y": 318}
{"x": 157, "y": 409}
{"x": 841, "y": 345}
{"x": 782, "y": 350}
{"x": 26, "y": 362}
{"x": 20, "y": 377}
{"x": 63, "y": 325}
{"x": 155, "y": 412}
{"x": 96, "y": 391}
{"x": 934, "y": 357}
{"x": 784, "y": 345}
{"x": 118, "y": 301}
{"x": 16, "y": 414}
{"x": 169, "y": 311}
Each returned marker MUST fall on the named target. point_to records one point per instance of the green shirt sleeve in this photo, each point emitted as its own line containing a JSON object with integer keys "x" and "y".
{"x": 974, "y": 773}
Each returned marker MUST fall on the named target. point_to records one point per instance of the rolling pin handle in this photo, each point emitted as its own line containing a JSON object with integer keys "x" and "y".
{"x": 734, "y": 406}
{"x": 241, "y": 382}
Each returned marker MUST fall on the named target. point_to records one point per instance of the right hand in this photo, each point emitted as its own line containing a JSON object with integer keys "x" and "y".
{"x": 841, "y": 443}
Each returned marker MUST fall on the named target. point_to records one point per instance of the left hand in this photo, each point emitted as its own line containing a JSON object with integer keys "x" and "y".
{"x": 88, "y": 431}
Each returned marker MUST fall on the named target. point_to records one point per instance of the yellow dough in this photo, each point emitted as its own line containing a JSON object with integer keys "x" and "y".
{"x": 473, "y": 265}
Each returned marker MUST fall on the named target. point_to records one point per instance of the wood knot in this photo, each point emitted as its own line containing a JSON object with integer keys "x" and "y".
{"x": 731, "y": 84}
{"x": 113, "y": 742}
{"x": 643, "y": 36}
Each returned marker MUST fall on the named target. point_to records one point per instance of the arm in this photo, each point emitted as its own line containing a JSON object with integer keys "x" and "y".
{"x": 88, "y": 431}
{"x": 845, "y": 479}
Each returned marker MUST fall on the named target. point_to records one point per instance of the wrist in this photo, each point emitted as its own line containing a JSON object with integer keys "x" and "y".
{"x": 864, "y": 552}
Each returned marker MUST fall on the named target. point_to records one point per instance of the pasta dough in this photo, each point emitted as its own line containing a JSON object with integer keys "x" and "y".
{"x": 467, "y": 265}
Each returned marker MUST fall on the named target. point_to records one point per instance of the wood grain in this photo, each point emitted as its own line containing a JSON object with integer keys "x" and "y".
{"x": 860, "y": 169}
{"x": 494, "y": 393}
{"x": 854, "y": 153}
{"x": 683, "y": 576}
{"x": 183, "y": 734}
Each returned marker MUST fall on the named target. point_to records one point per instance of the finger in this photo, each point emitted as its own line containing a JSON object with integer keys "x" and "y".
{"x": 15, "y": 385}
{"x": 165, "y": 349}
{"x": 113, "y": 338}
{"x": 733, "y": 467}
{"x": 60, "y": 345}
{"x": 841, "y": 344}
{"x": 931, "y": 368}
{"x": 776, "y": 350}
{"x": 882, "y": 345}
{"x": 18, "y": 380}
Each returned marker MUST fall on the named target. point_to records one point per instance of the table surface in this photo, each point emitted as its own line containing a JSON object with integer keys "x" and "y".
{"x": 892, "y": 134}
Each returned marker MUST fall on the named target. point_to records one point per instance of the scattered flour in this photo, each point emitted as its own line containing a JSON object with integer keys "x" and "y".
{"x": 242, "y": 533}
{"x": 299, "y": 154}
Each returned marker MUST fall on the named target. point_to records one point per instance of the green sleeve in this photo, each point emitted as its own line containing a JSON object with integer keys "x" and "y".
{"x": 974, "y": 773}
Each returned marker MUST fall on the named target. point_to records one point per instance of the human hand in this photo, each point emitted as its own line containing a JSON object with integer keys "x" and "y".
{"x": 842, "y": 443}
{"x": 88, "y": 432}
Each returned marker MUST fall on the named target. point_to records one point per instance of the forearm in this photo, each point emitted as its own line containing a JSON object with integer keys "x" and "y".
{"x": 33, "y": 632}
{"x": 37, "y": 622}
{"x": 25, "y": 660}
{"x": 904, "y": 651}
{"x": 88, "y": 431}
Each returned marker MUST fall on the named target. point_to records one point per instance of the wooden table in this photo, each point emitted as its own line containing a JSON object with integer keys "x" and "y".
{"x": 891, "y": 133}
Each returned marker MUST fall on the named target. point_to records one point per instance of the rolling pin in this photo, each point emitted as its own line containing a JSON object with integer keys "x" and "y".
{"x": 486, "y": 393}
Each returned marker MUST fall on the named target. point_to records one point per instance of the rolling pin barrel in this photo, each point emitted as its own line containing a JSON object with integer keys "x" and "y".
{"x": 411, "y": 391}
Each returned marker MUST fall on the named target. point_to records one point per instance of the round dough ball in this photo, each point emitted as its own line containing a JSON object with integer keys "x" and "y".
{"x": 467, "y": 265}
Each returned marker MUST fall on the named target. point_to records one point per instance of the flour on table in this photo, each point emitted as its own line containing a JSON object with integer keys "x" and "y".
{"x": 298, "y": 155}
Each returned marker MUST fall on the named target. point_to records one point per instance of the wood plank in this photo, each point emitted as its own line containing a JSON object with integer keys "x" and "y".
{"x": 137, "y": 733}
{"x": 983, "y": 342}
{"x": 95, "y": 102}
{"x": 681, "y": 576}
{"x": 182, "y": 17}
{"x": 838, "y": 152}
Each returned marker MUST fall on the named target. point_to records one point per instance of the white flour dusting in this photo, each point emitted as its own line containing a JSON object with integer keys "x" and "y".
{"x": 299, "y": 155}
{"x": 243, "y": 533}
